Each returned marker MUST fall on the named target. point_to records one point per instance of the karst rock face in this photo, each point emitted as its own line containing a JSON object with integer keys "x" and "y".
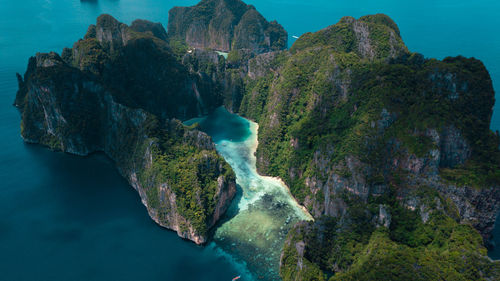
{"x": 372, "y": 138}
{"x": 225, "y": 25}
{"x": 118, "y": 91}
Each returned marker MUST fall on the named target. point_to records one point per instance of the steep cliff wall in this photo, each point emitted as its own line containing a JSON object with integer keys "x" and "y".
{"x": 114, "y": 53}
{"x": 116, "y": 91}
{"x": 224, "y": 25}
{"x": 382, "y": 146}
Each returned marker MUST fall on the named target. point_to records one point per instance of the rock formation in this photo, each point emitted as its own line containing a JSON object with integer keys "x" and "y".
{"x": 386, "y": 149}
{"x": 117, "y": 91}
{"x": 225, "y": 25}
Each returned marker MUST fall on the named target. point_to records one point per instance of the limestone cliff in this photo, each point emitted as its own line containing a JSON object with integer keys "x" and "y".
{"x": 117, "y": 91}
{"x": 113, "y": 52}
{"x": 225, "y": 25}
{"x": 386, "y": 149}
{"x": 370, "y": 37}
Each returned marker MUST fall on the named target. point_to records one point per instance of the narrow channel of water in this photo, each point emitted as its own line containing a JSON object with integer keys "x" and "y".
{"x": 263, "y": 211}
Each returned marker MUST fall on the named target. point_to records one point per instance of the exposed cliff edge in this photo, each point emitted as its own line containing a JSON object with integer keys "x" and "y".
{"x": 117, "y": 91}
{"x": 390, "y": 152}
{"x": 225, "y": 25}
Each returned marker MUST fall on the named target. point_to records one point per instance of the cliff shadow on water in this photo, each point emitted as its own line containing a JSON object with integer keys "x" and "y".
{"x": 263, "y": 210}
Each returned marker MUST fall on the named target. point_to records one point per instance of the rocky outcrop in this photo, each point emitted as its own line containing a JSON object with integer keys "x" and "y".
{"x": 371, "y": 135}
{"x": 478, "y": 207}
{"x": 262, "y": 65}
{"x": 417, "y": 153}
{"x": 156, "y": 29}
{"x": 293, "y": 256}
{"x": 164, "y": 86}
{"x": 78, "y": 105}
{"x": 111, "y": 33}
{"x": 225, "y": 25}
{"x": 219, "y": 76}
{"x": 370, "y": 37}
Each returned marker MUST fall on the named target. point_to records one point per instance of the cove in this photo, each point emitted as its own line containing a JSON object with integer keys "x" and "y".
{"x": 263, "y": 211}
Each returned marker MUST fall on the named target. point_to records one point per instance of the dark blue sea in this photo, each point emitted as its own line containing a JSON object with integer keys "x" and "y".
{"x": 64, "y": 217}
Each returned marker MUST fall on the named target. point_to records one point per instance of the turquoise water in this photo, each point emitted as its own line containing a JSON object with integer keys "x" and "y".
{"x": 70, "y": 218}
{"x": 261, "y": 215}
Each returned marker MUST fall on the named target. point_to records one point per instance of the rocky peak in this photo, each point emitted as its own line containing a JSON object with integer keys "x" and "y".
{"x": 381, "y": 19}
{"x": 370, "y": 37}
{"x": 113, "y": 52}
{"x": 48, "y": 59}
{"x": 225, "y": 25}
{"x": 110, "y": 32}
{"x": 156, "y": 29}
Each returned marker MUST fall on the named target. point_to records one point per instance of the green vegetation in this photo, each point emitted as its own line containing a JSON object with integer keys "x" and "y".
{"x": 189, "y": 172}
{"x": 331, "y": 110}
{"x": 381, "y": 19}
{"x": 254, "y": 102}
{"x": 205, "y": 11}
{"x": 178, "y": 47}
{"x": 226, "y": 25}
{"x": 95, "y": 99}
{"x": 347, "y": 35}
{"x": 90, "y": 56}
{"x": 410, "y": 249}
{"x": 357, "y": 125}
{"x": 455, "y": 259}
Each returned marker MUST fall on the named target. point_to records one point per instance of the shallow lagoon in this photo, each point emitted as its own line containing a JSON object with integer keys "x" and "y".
{"x": 263, "y": 211}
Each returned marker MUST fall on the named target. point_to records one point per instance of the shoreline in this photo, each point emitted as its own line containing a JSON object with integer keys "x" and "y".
{"x": 254, "y": 128}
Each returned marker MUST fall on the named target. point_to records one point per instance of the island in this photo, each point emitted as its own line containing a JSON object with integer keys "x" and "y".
{"x": 390, "y": 152}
